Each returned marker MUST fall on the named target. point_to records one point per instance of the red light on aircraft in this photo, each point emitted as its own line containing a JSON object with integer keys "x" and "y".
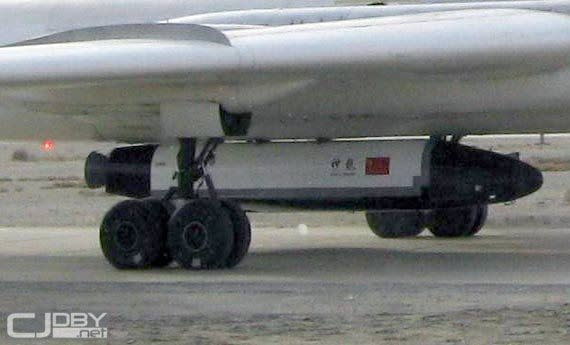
{"x": 378, "y": 166}
{"x": 48, "y": 145}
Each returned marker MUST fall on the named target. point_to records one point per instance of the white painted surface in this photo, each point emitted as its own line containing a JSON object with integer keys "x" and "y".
{"x": 295, "y": 16}
{"x": 190, "y": 119}
{"x": 300, "y": 165}
{"x": 498, "y": 71}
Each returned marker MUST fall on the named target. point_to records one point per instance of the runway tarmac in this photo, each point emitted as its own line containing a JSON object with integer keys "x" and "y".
{"x": 329, "y": 285}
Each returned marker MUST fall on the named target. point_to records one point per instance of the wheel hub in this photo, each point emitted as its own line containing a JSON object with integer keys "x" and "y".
{"x": 126, "y": 236}
{"x": 195, "y": 236}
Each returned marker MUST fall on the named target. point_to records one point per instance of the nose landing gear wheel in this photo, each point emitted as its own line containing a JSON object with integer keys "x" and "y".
{"x": 200, "y": 235}
{"x": 395, "y": 224}
{"x": 129, "y": 236}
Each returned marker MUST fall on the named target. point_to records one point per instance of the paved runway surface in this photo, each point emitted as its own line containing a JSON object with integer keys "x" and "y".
{"x": 324, "y": 285}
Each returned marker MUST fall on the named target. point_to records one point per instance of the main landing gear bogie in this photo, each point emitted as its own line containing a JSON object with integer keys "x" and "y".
{"x": 446, "y": 222}
{"x": 199, "y": 234}
{"x": 196, "y": 232}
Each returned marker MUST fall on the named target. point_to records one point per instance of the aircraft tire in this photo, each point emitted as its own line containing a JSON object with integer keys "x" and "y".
{"x": 395, "y": 224}
{"x": 482, "y": 213}
{"x": 200, "y": 235}
{"x": 454, "y": 222}
{"x": 241, "y": 231}
{"x": 128, "y": 236}
{"x": 159, "y": 215}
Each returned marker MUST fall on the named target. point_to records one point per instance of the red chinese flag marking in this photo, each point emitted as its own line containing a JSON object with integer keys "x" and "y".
{"x": 378, "y": 166}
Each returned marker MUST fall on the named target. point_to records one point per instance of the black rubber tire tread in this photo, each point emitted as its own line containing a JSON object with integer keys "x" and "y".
{"x": 159, "y": 216}
{"x": 395, "y": 224}
{"x": 453, "y": 222}
{"x": 219, "y": 229}
{"x": 482, "y": 213}
{"x": 147, "y": 246}
{"x": 242, "y": 233}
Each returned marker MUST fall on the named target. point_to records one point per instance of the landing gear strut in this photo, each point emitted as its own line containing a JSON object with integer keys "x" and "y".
{"x": 197, "y": 233}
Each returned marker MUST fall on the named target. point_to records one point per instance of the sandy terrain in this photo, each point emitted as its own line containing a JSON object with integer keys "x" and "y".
{"x": 332, "y": 284}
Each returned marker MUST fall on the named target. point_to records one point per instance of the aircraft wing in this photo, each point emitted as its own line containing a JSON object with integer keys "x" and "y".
{"x": 307, "y": 71}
